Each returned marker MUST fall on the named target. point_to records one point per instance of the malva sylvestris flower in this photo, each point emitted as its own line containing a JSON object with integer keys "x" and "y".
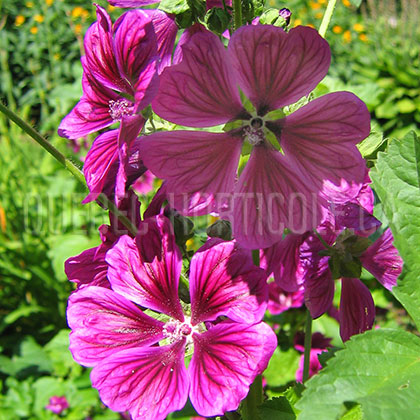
{"x": 223, "y": 326}
{"x": 297, "y": 162}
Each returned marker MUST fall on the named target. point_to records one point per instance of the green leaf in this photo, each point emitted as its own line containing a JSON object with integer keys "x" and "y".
{"x": 372, "y": 143}
{"x": 396, "y": 180}
{"x": 380, "y": 370}
{"x": 405, "y": 106}
{"x": 282, "y": 367}
{"x": 356, "y": 3}
{"x": 174, "y": 6}
{"x": 277, "y": 408}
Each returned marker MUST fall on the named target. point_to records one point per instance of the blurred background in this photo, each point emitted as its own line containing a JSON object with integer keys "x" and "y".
{"x": 376, "y": 53}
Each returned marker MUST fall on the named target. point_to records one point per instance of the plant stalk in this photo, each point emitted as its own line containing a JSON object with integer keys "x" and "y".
{"x": 237, "y": 14}
{"x": 70, "y": 166}
{"x": 307, "y": 344}
{"x": 326, "y": 19}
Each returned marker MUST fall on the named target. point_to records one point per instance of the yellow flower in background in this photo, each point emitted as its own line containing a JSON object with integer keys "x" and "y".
{"x": 33, "y": 30}
{"x": 347, "y": 3}
{"x": 322, "y": 1}
{"x": 85, "y": 14}
{"x": 77, "y": 12}
{"x": 319, "y": 15}
{"x": 297, "y": 22}
{"x": 39, "y": 18}
{"x": 112, "y": 8}
{"x": 78, "y": 29}
{"x": 337, "y": 29}
{"x": 49, "y": 2}
{"x": 347, "y": 37}
{"x": 363, "y": 37}
{"x": 310, "y": 25}
{"x": 29, "y": 4}
{"x": 3, "y": 223}
{"x": 314, "y": 5}
{"x": 358, "y": 27}
{"x": 19, "y": 20}
{"x": 57, "y": 56}
{"x": 189, "y": 244}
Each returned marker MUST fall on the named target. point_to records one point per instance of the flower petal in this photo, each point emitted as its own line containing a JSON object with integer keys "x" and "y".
{"x": 225, "y": 362}
{"x": 272, "y": 195}
{"x": 193, "y": 162}
{"x": 104, "y": 322}
{"x": 225, "y": 281}
{"x": 185, "y": 38}
{"x": 282, "y": 259}
{"x": 146, "y": 270}
{"x": 134, "y": 44}
{"x": 88, "y": 268}
{"x": 276, "y": 68}
{"x": 321, "y": 137}
{"x": 280, "y": 300}
{"x": 357, "y": 310}
{"x": 149, "y": 382}
{"x": 166, "y": 30}
{"x": 99, "y": 163}
{"x": 100, "y": 56}
{"x": 201, "y": 90}
{"x": 381, "y": 259}
{"x": 131, "y": 3}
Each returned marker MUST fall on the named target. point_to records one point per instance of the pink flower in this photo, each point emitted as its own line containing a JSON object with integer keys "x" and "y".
{"x": 297, "y": 162}
{"x": 120, "y": 79}
{"x": 319, "y": 344}
{"x": 348, "y": 255}
{"x": 279, "y": 300}
{"x": 57, "y": 404}
{"x": 228, "y": 296}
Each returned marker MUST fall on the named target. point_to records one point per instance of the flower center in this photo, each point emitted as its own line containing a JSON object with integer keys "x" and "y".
{"x": 176, "y": 330}
{"x": 257, "y": 123}
{"x": 117, "y": 109}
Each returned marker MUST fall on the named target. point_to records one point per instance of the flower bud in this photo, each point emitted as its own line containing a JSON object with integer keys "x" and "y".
{"x": 220, "y": 229}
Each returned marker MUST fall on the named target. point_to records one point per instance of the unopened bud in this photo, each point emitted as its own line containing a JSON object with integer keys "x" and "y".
{"x": 280, "y": 18}
{"x": 220, "y": 229}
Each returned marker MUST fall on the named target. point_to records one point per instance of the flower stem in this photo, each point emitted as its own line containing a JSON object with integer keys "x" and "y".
{"x": 307, "y": 344}
{"x": 237, "y": 14}
{"x": 253, "y": 400}
{"x": 327, "y": 17}
{"x": 69, "y": 165}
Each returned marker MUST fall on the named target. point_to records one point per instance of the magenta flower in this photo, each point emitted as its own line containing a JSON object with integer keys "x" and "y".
{"x": 228, "y": 296}
{"x": 57, "y": 404}
{"x": 120, "y": 79}
{"x": 297, "y": 162}
{"x": 357, "y": 309}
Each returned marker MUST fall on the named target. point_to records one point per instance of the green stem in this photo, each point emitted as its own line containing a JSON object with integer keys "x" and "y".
{"x": 237, "y": 14}
{"x": 253, "y": 400}
{"x": 70, "y": 166}
{"x": 327, "y": 17}
{"x": 308, "y": 342}
{"x": 322, "y": 239}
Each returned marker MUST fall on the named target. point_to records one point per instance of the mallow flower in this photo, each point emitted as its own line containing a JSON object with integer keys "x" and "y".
{"x": 297, "y": 161}
{"x": 138, "y": 354}
{"x": 120, "y": 78}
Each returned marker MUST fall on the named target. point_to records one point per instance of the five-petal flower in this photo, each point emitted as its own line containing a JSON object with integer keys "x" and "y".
{"x": 228, "y": 297}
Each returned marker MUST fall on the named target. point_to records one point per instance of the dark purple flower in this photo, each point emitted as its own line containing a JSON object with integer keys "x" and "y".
{"x": 114, "y": 336}
{"x": 57, "y": 404}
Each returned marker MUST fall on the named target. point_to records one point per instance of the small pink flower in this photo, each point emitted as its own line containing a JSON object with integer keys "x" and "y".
{"x": 57, "y": 404}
